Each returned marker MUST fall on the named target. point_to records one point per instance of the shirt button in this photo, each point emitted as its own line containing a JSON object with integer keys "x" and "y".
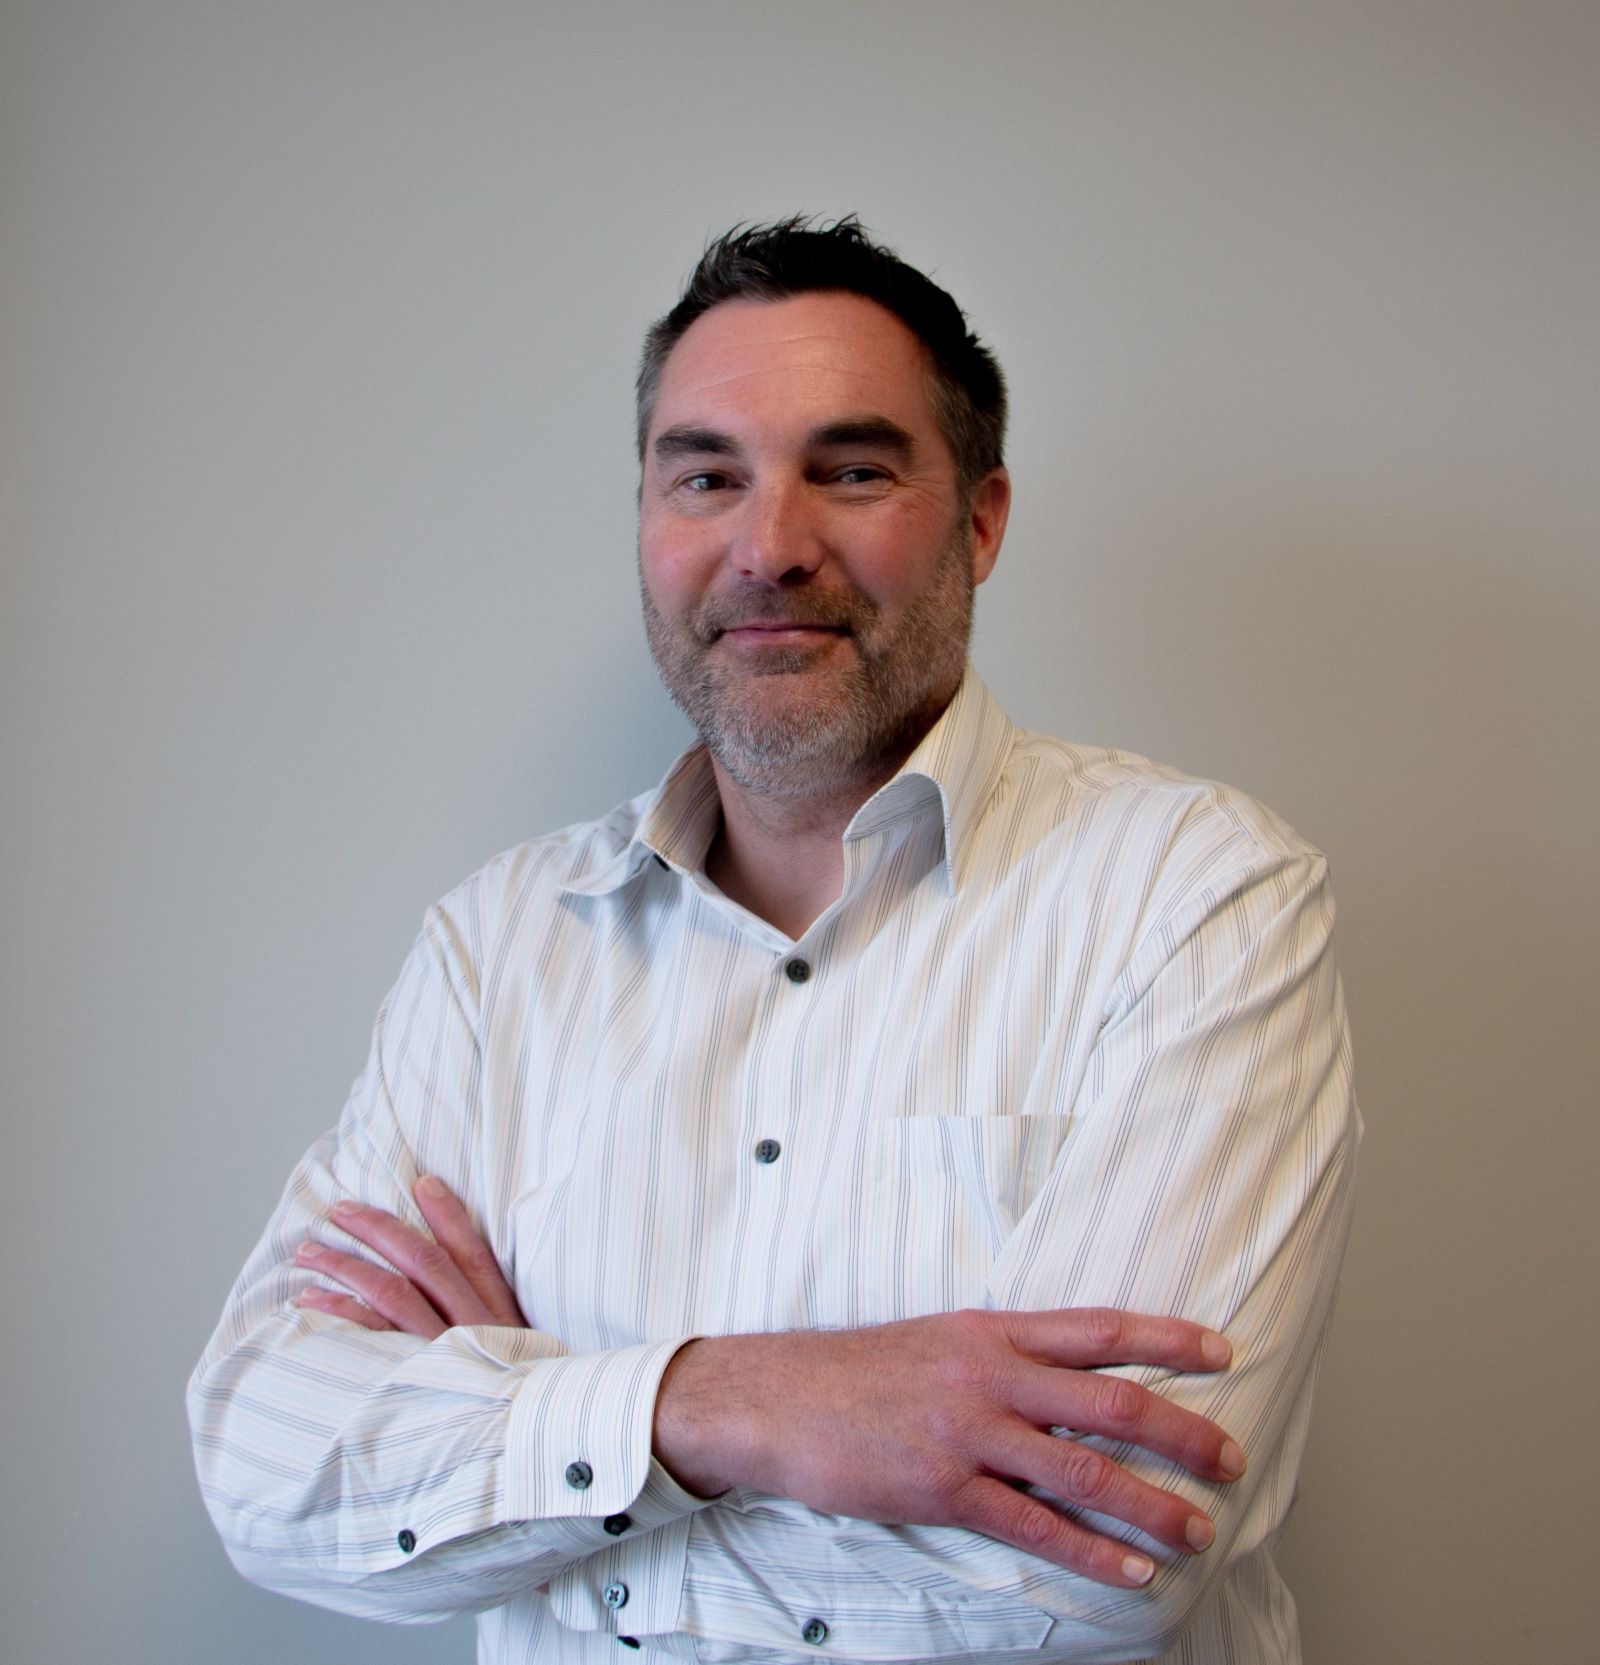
{"x": 579, "y": 1476}
{"x": 797, "y": 971}
{"x": 769, "y": 1150}
{"x": 407, "y": 1541}
{"x": 616, "y": 1525}
{"x": 815, "y": 1632}
{"x": 629, "y": 1641}
{"x": 615, "y": 1596}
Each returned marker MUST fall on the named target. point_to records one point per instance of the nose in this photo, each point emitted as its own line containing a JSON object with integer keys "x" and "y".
{"x": 778, "y": 539}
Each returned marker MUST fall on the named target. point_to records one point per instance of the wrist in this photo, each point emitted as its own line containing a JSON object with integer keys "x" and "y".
{"x": 702, "y": 1432}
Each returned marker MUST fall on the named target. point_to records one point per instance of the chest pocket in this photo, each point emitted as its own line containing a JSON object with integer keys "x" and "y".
{"x": 944, "y": 1195}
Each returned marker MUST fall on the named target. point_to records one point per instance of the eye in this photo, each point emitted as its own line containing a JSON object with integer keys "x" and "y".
{"x": 860, "y": 474}
{"x": 705, "y": 480}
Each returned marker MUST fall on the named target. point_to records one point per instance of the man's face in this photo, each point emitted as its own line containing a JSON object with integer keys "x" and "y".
{"x": 806, "y": 561}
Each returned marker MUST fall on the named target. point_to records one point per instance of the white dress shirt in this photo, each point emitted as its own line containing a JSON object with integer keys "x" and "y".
{"x": 1071, "y": 1035}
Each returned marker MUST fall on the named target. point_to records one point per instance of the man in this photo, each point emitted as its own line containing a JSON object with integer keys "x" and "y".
{"x": 829, "y": 1115}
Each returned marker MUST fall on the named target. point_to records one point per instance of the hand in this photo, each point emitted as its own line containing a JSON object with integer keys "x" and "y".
{"x": 936, "y": 1421}
{"x": 447, "y": 1279}
{"x": 932, "y": 1420}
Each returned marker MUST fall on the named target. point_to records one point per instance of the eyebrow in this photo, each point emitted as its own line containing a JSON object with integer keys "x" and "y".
{"x": 686, "y": 441}
{"x": 877, "y": 433}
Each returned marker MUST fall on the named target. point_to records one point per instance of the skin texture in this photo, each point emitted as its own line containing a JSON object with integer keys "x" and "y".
{"x": 932, "y": 1420}
{"x": 807, "y": 565}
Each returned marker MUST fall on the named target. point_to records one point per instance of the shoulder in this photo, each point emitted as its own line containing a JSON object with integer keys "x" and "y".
{"x": 1147, "y": 828}
{"x": 1078, "y": 781}
{"x": 528, "y": 883}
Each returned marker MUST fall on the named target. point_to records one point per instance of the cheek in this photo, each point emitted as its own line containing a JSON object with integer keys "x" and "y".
{"x": 673, "y": 570}
{"x": 894, "y": 569}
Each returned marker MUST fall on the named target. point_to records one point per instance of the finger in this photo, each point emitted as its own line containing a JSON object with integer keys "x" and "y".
{"x": 996, "y": 1510}
{"x": 452, "y": 1226}
{"x": 343, "y": 1306}
{"x": 388, "y": 1293}
{"x": 1093, "y": 1402}
{"x": 1083, "y": 1337}
{"x": 425, "y": 1262}
{"x": 1079, "y": 1475}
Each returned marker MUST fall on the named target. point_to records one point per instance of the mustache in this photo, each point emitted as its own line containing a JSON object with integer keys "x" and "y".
{"x": 842, "y": 610}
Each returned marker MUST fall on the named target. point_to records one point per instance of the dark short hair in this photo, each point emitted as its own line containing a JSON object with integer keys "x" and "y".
{"x": 797, "y": 256}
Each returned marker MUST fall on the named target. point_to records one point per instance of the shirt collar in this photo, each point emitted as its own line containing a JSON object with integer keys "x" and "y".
{"x": 956, "y": 766}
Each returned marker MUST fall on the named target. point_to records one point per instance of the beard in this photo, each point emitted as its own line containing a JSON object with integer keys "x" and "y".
{"x": 798, "y": 722}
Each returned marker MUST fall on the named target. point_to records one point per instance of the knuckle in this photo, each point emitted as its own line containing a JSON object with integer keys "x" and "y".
{"x": 947, "y": 1425}
{"x": 942, "y": 1482}
{"x": 391, "y": 1289}
{"x": 1106, "y": 1330}
{"x": 1086, "y": 1475}
{"x": 1119, "y": 1404}
{"x": 431, "y": 1258}
{"x": 967, "y": 1372}
{"x": 1035, "y": 1529}
{"x": 972, "y": 1324}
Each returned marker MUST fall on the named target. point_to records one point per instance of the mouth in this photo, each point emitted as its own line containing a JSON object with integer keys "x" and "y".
{"x": 776, "y": 630}
{"x": 781, "y": 632}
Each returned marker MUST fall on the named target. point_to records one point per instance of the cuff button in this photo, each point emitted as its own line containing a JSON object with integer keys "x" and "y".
{"x": 407, "y": 1541}
{"x": 579, "y": 1476}
{"x": 815, "y": 1632}
{"x": 616, "y": 1525}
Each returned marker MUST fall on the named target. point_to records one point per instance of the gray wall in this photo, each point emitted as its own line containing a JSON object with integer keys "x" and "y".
{"x": 316, "y": 509}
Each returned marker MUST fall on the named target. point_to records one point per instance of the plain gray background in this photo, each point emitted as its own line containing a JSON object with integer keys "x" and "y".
{"x": 316, "y": 505}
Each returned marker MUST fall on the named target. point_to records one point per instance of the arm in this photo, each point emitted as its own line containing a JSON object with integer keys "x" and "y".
{"x": 393, "y": 1475}
{"x": 906, "y": 1421}
{"x": 1215, "y": 1113}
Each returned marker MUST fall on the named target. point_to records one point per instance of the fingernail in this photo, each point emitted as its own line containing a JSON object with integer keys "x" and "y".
{"x": 1200, "y": 1533}
{"x": 431, "y": 1186}
{"x": 1216, "y": 1350}
{"x": 1230, "y": 1460}
{"x": 309, "y": 1251}
{"x": 345, "y": 1208}
{"x": 1138, "y": 1569}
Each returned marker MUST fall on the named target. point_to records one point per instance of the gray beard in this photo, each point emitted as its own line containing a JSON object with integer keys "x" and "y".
{"x": 870, "y": 717}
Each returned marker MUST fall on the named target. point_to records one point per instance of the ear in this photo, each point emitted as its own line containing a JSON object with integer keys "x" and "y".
{"x": 991, "y": 503}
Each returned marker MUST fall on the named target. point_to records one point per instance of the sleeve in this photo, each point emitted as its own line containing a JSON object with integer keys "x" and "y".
{"x": 378, "y": 1474}
{"x": 1208, "y": 1173}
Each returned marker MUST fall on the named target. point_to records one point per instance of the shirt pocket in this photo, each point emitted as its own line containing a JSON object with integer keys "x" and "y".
{"x": 945, "y": 1194}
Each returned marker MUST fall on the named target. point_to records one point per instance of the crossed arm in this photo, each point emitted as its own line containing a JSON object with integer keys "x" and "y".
{"x": 1219, "y": 1121}
{"x": 934, "y": 1421}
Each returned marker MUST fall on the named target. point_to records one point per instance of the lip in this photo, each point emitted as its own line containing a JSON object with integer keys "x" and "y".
{"x": 778, "y": 630}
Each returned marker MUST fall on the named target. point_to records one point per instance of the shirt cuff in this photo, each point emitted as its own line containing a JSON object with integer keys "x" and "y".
{"x": 578, "y": 1444}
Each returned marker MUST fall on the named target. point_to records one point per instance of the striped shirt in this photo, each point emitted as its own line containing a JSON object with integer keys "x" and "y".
{"x": 1070, "y": 1035}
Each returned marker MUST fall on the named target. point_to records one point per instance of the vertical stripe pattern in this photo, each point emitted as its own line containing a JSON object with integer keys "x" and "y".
{"x": 1071, "y": 1035}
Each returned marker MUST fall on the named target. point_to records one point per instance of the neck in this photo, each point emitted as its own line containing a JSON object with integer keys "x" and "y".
{"x": 780, "y": 849}
{"x": 782, "y": 857}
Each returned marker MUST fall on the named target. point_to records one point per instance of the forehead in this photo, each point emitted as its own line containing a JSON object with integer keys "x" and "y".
{"x": 792, "y": 363}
